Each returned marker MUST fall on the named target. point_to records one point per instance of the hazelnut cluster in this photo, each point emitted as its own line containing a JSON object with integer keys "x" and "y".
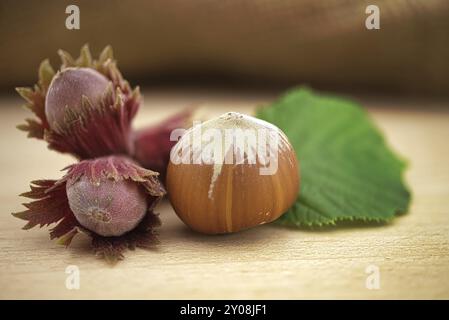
{"x": 86, "y": 109}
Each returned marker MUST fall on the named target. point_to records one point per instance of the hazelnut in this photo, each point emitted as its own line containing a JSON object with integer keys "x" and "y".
{"x": 67, "y": 89}
{"x": 232, "y": 173}
{"x": 107, "y": 207}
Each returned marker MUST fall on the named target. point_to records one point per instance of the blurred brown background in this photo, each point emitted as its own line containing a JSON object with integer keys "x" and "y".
{"x": 322, "y": 43}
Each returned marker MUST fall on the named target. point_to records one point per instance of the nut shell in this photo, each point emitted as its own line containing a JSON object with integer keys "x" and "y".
{"x": 67, "y": 89}
{"x": 108, "y": 208}
{"x": 239, "y": 197}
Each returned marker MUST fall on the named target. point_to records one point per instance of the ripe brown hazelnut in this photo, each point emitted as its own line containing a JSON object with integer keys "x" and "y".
{"x": 232, "y": 173}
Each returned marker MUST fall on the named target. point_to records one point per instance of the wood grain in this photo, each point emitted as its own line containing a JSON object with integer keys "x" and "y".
{"x": 412, "y": 253}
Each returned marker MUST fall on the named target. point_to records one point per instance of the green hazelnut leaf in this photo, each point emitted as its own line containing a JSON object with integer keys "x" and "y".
{"x": 347, "y": 171}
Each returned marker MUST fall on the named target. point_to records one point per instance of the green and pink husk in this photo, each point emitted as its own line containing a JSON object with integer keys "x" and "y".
{"x": 86, "y": 109}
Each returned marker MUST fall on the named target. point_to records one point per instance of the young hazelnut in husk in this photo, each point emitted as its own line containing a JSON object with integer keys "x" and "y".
{"x": 107, "y": 207}
{"x": 111, "y": 199}
{"x": 232, "y": 173}
{"x": 67, "y": 90}
{"x": 86, "y": 108}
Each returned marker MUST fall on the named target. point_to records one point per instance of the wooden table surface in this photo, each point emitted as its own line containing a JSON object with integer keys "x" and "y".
{"x": 412, "y": 253}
